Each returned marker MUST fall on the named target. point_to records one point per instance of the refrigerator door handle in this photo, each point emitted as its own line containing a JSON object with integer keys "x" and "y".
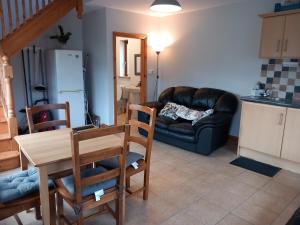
{"x": 70, "y": 91}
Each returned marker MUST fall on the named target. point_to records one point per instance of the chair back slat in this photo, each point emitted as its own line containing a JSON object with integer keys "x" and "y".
{"x": 99, "y": 155}
{"x": 36, "y": 127}
{"x": 79, "y": 160}
{"x": 139, "y": 124}
{"x": 96, "y": 133}
{"x": 138, "y": 140}
{"x": 103, "y": 176}
{"x": 53, "y": 123}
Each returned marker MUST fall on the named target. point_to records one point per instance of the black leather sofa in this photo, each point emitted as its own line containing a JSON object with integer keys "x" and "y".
{"x": 295, "y": 219}
{"x": 207, "y": 134}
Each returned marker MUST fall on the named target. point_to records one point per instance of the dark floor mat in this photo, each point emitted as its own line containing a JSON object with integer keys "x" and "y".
{"x": 255, "y": 166}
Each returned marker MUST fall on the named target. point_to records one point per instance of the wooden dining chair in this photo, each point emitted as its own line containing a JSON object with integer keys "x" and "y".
{"x": 19, "y": 192}
{"x": 141, "y": 161}
{"x": 80, "y": 189}
{"x": 42, "y": 126}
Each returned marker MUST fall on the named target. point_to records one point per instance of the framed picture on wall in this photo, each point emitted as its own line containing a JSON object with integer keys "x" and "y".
{"x": 137, "y": 64}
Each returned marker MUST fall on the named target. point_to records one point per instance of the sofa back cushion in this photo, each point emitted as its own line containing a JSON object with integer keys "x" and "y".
{"x": 200, "y": 99}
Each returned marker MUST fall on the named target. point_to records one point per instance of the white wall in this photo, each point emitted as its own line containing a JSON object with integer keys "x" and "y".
{"x": 98, "y": 28}
{"x": 216, "y": 47}
{"x": 95, "y": 44}
{"x": 70, "y": 23}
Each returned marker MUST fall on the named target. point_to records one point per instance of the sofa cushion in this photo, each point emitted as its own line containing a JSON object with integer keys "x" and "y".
{"x": 166, "y": 96}
{"x": 184, "y": 95}
{"x": 89, "y": 190}
{"x": 19, "y": 185}
{"x": 131, "y": 157}
{"x": 164, "y": 122}
{"x": 182, "y": 128}
{"x": 206, "y": 97}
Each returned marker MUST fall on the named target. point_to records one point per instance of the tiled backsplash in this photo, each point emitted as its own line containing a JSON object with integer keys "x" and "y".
{"x": 283, "y": 80}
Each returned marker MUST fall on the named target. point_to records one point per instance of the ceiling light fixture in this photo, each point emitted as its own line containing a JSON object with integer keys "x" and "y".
{"x": 166, "y": 6}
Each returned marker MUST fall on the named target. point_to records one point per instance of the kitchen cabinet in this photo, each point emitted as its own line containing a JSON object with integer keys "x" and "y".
{"x": 291, "y": 44}
{"x": 262, "y": 128}
{"x": 291, "y": 138}
{"x": 270, "y": 133}
{"x": 280, "y": 35}
{"x": 271, "y": 39}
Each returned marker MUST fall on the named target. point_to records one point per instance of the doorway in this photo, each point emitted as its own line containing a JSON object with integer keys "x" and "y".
{"x": 130, "y": 77}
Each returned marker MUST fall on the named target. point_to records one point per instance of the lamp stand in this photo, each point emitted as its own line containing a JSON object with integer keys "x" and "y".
{"x": 157, "y": 76}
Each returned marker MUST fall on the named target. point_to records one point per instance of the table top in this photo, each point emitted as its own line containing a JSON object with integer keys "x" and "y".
{"x": 53, "y": 146}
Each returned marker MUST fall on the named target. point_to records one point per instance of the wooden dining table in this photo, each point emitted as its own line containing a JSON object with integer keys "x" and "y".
{"x": 50, "y": 152}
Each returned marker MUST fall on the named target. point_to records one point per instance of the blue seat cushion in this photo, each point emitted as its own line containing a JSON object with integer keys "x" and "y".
{"x": 131, "y": 157}
{"x": 20, "y": 185}
{"x": 89, "y": 190}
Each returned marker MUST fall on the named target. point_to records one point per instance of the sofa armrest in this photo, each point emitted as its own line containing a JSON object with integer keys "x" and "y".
{"x": 217, "y": 119}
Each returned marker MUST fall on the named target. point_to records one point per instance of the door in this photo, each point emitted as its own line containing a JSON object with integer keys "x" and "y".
{"x": 291, "y": 139}
{"x": 291, "y": 45}
{"x": 271, "y": 37}
{"x": 262, "y": 128}
{"x": 136, "y": 80}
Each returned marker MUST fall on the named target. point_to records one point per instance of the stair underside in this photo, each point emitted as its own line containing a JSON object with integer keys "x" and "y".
{"x": 35, "y": 26}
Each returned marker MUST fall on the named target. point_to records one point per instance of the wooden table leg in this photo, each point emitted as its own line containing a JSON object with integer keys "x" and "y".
{"x": 44, "y": 194}
{"x": 23, "y": 160}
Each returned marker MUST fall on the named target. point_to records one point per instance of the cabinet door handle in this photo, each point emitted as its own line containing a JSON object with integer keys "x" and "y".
{"x": 286, "y": 45}
{"x": 280, "y": 119}
{"x": 278, "y": 45}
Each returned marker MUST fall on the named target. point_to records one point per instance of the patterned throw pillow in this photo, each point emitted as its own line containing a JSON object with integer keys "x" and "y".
{"x": 194, "y": 115}
{"x": 170, "y": 110}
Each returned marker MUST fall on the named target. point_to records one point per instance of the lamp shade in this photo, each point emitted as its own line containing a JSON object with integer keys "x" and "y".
{"x": 166, "y": 6}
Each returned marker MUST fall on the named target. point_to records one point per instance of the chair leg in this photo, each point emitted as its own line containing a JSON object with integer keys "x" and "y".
{"x": 119, "y": 212}
{"x": 128, "y": 182}
{"x": 146, "y": 184}
{"x": 80, "y": 220}
{"x": 37, "y": 210}
{"x": 52, "y": 209}
{"x": 17, "y": 218}
{"x": 60, "y": 209}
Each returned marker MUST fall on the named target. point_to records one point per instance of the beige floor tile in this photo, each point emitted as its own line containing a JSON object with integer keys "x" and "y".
{"x": 253, "y": 179}
{"x": 206, "y": 212}
{"x": 269, "y": 201}
{"x": 281, "y": 190}
{"x": 231, "y": 219}
{"x": 255, "y": 214}
{"x": 224, "y": 199}
{"x": 288, "y": 178}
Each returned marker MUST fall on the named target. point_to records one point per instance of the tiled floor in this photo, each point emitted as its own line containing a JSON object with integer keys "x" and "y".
{"x": 190, "y": 189}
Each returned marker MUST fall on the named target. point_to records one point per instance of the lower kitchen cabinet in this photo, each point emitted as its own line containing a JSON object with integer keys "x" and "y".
{"x": 291, "y": 137}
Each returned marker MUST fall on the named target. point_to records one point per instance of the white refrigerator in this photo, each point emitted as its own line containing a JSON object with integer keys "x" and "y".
{"x": 66, "y": 83}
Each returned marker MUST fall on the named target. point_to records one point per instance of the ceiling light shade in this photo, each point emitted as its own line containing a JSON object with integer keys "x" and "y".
{"x": 166, "y": 6}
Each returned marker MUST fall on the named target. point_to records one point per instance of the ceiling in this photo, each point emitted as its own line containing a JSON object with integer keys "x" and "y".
{"x": 142, "y": 6}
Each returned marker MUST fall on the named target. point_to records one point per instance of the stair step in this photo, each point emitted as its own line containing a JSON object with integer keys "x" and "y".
{"x": 5, "y": 143}
{"x": 4, "y": 137}
{"x": 3, "y": 127}
{"x": 9, "y": 160}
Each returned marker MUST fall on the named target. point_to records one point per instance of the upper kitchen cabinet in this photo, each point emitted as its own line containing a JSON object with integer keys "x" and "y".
{"x": 280, "y": 35}
{"x": 291, "y": 46}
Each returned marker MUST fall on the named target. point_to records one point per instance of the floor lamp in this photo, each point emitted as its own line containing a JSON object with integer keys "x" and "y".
{"x": 158, "y": 50}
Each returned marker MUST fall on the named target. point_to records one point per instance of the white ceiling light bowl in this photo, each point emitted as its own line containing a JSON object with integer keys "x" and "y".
{"x": 166, "y": 6}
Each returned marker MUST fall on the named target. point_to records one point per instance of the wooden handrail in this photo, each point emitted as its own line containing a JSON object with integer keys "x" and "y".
{"x": 30, "y": 8}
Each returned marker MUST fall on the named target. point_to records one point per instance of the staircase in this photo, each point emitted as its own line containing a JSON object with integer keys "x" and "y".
{"x": 22, "y": 21}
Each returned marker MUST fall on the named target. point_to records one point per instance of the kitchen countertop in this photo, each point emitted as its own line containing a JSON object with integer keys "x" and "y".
{"x": 272, "y": 101}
